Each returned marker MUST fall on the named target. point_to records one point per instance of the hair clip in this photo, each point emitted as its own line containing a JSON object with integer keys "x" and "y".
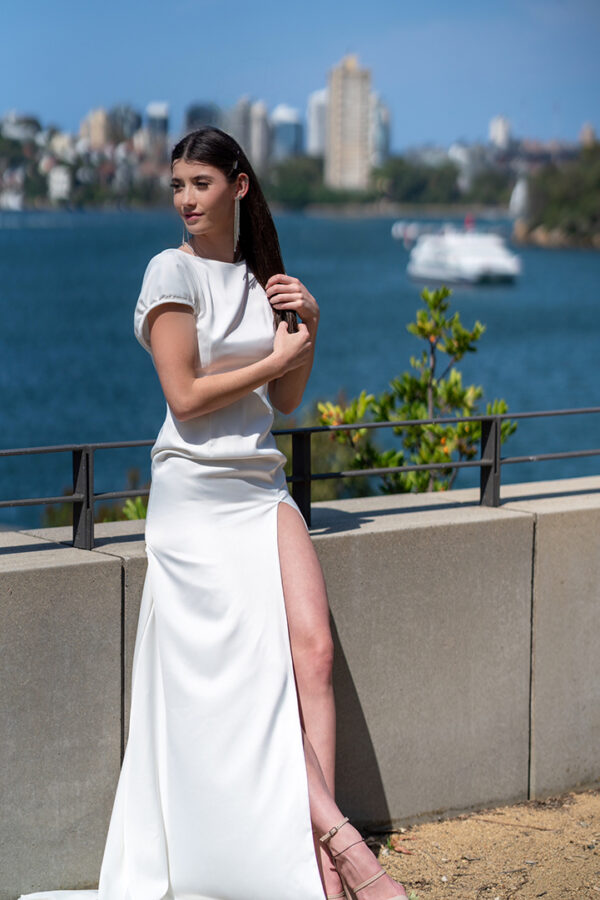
{"x": 235, "y": 165}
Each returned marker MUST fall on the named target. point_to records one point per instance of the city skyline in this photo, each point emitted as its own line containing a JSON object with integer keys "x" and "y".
{"x": 442, "y": 74}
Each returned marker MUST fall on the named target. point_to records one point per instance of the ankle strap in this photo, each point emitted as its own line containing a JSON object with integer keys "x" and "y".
{"x": 368, "y": 881}
{"x": 332, "y": 831}
{"x": 335, "y": 855}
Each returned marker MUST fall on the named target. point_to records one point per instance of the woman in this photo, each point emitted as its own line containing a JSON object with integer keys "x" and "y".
{"x": 226, "y": 787}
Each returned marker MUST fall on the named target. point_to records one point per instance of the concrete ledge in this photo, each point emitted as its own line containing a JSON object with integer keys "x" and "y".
{"x": 431, "y": 605}
{"x": 60, "y": 628}
{"x": 125, "y": 542}
{"x": 565, "y": 749}
{"x": 466, "y": 668}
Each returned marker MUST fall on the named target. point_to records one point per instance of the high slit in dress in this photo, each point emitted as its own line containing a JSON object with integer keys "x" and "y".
{"x": 212, "y": 798}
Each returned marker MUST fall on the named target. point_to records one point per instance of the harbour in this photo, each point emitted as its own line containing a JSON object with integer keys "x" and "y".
{"x": 73, "y": 372}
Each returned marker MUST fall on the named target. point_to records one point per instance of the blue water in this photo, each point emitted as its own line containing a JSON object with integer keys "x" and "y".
{"x": 72, "y": 371}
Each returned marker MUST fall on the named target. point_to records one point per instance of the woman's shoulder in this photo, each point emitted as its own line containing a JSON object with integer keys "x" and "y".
{"x": 168, "y": 278}
{"x": 169, "y": 258}
{"x": 168, "y": 273}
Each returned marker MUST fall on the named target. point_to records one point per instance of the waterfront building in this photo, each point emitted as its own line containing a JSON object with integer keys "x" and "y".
{"x": 17, "y": 127}
{"x": 500, "y": 132}
{"x": 316, "y": 122}
{"x": 470, "y": 159}
{"x": 95, "y": 128}
{"x": 427, "y": 155}
{"x": 260, "y": 136}
{"x": 199, "y": 114}
{"x": 141, "y": 142}
{"x": 59, "y": 183}
{"x": 12, "y": 182}
{"x": 379, "y": 131}
{"x": 157, "y": 127}
{"x": 348, "y": 145}
{"x": 587, "y": 135}
{"x": 124, "y": 121}
{"x": 238, "y": 123}
{"x": 63, "y": 145}
{"x": 286, "y": 133}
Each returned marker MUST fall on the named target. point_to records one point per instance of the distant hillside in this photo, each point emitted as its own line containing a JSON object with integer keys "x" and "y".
{"x": 564, "y": 203}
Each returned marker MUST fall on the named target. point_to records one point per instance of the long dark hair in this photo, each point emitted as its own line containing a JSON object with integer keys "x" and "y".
{"x": 259, "y": 244}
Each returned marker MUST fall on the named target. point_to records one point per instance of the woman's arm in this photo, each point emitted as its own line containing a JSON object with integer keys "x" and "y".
{"x": 174, "y": 344}
{"x": 285, "y": 292}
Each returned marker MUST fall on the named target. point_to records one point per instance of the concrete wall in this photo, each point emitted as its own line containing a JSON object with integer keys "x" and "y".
{"x": 60, "y": 722}
{"x": 466, "y": 673}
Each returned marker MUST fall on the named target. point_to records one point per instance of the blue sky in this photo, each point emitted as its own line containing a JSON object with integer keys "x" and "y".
{"x": 444, "y": 68}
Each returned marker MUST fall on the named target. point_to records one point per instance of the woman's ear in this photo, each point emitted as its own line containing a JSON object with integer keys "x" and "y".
{"x": 243, "y": 183}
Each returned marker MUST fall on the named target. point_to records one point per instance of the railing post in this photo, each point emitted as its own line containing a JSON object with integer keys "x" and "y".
{"x": 83, "y": 510}
{"x": 489, "y": 489}
{"x": 301, "y": 472}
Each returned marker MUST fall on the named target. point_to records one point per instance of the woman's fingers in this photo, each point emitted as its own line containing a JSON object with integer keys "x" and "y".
{"x": 283, "y": 289}
{"x": 284, "y": 279}
{"x": 285, "y": 299}
{"x": 285, "y": 292}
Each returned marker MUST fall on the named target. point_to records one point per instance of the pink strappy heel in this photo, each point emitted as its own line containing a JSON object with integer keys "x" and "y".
{"x": 351, "y": 893}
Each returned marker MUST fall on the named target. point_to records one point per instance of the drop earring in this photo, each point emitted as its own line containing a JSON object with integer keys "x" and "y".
{"x": 236, "y": 225}
{"x": 184, "y": 240}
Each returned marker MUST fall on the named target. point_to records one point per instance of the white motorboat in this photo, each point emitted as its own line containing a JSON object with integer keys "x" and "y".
{"x": 462, "y": 257}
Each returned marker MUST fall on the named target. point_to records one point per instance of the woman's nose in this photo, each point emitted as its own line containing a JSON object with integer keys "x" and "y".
{"x": 187, "y": 198}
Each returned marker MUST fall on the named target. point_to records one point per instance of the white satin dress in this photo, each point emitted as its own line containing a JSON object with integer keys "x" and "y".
{"x": 212, "y": 798}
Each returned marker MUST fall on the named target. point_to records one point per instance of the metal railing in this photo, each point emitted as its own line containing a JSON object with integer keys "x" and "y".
{"x": 490, "y": 463}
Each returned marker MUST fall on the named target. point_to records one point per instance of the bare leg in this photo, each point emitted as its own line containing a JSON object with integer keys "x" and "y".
{"x": 358, "y": 864}
{"x": 307, "y": 612}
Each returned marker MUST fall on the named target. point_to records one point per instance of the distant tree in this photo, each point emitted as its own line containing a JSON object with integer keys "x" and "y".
{"x": 11, "y": 153}
{"x": 35, "y": 184}
{"x": 403, "y": 181}
{"x": 298, "y": 181}
{"x": 491, "y": 187}
{"x": 568, "y": 196}
{"x": 292, "y": 182}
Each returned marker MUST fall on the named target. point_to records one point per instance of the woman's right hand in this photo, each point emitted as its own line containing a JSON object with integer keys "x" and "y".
{"x": 292, "y": 349}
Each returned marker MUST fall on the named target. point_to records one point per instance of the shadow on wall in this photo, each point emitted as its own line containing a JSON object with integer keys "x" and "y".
{"x": 359, "y": 787}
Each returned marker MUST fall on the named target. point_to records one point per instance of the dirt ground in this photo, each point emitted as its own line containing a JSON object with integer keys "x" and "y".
{"x": 548, "y": 848}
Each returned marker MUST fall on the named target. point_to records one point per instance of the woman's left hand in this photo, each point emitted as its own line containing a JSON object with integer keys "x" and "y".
{"x": 285, "y": 292}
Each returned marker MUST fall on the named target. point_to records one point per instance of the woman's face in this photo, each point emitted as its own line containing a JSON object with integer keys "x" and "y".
{"x": 203, "y": 197}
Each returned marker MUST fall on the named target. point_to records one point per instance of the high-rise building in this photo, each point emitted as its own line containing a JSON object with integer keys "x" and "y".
{"x": 199, "y": 114}
{"x": 96, "y": 128}
{"x": 587, "y": 135}
{"x": 238, "y": 123}
{"x": 316, "y": 122}
{"x": 157, "y": 126}
{"x": 286, "y": 133}
{"x": 499, "y": 132}
{"x": 347, "y": 152}
{"x": 379, "y": 131}
{"x": 123, "y": 122}
{"x": 260, "y": 136}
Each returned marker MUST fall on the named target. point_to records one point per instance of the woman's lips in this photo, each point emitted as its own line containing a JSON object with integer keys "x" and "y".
{"x": 192, "y": 216}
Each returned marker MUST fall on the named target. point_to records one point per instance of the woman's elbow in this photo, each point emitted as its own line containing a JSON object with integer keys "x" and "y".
{"x": 180, "y": 412}
{"x": 184, "y": 408}
{"x": 286, "y": 406}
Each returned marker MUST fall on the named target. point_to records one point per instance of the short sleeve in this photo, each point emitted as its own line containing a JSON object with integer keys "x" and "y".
{"x": 167, "y": 279}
